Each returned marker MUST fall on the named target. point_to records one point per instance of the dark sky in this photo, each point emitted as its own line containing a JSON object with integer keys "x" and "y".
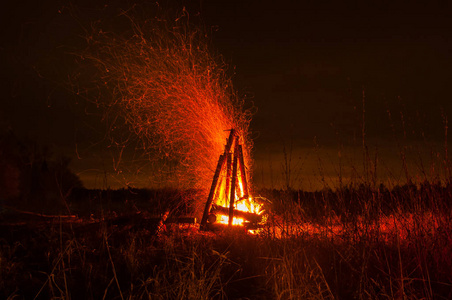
{"x": 304, "y": 64}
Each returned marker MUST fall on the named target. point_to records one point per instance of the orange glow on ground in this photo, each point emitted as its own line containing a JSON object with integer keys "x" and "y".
{"x": 388, "y": 228}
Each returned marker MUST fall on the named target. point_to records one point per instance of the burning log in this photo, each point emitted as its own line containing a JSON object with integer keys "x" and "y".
{"x": 251, "y": 217}
{"x": 228, "y": 177}
{"x": 220, "y": 165}
{"x": 212, "y": 191}
{"x": 243, "y": 173}
{"x": 233, "y": 183}
{"x": 229, "y": 202}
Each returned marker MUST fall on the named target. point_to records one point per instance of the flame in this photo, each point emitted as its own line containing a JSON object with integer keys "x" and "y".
{"x": 249, "y": 205}
{"x": 245, "y": 205}
{"x": 235, "y": 221}
{"x": 240, "y": 186}
{"x": 230, "y": 191}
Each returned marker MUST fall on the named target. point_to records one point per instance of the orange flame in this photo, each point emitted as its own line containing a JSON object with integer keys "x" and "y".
{"x": 246, "y": 205}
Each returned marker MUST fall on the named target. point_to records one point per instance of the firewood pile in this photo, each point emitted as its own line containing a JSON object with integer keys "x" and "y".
{"x": 229, "y": 201}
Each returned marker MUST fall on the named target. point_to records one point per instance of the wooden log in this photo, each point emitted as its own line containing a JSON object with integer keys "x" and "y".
{"x": 30, "y": 213}
{"x": 159, "y": 221}
{"x": 230, "y": 141}
{"x": 251, "y": 217}
{"x": 181, "y": 220}
{"x": 212, "y": 191}
{"x": 219, "y": 192}
{"x": 243, "y": 173}
{"x": 233, "y": 187}
{"x": 228, "y": 177}
{"x": 253, "y": 226}
{"x": 246, "y": 226}
{"x": 218, "y": 227}
{"x": 227, "y": 149}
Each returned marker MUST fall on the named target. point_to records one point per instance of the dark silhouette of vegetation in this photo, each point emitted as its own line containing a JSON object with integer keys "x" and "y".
{"x": 364, "y": 200}
{"x": 32, "y": 178}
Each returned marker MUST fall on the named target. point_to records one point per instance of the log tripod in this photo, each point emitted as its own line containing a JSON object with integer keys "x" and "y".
{"x": 233, "y": 159}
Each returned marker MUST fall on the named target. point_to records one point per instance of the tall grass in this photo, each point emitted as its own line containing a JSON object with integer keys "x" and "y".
{"x": 300, "y": 255}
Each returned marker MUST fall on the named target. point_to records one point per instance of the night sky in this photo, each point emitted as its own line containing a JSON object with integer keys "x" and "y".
{"x": 305, "y": 65}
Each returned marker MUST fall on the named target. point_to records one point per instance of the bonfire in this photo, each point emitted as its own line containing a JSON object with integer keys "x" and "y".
{"x": 229, "y": 200}
{"x": 163, "y": 82}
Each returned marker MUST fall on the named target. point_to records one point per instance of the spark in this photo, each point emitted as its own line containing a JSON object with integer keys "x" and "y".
{"x": 162, "y": 78}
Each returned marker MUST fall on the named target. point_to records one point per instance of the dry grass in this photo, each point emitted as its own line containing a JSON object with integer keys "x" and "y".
{"x": 403, "y": 253}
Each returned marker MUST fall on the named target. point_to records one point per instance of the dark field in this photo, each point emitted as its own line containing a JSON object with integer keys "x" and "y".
{"x": 354, "y": 243}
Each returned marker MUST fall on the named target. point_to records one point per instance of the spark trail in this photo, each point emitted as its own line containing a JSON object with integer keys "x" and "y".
{"x": 161, "y": 78}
